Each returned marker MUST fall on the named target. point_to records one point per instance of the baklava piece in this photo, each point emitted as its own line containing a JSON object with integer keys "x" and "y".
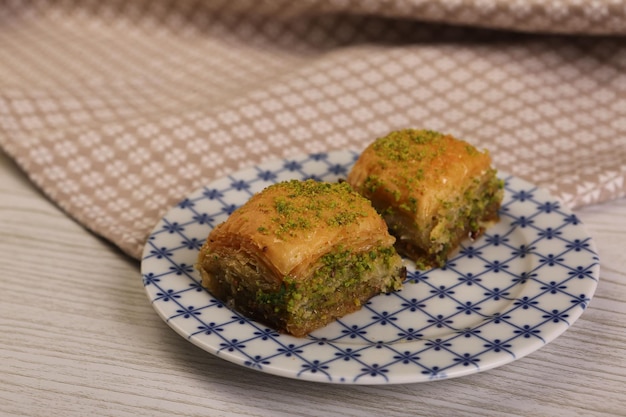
{"x": 432, "y": 189}
{"x": 299, "y": 255}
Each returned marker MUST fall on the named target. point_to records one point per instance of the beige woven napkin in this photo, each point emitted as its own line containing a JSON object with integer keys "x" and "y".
{"x": 117, "y": 110}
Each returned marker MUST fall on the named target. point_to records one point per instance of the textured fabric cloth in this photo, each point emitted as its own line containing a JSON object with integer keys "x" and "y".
{"x": 117, "y": 110}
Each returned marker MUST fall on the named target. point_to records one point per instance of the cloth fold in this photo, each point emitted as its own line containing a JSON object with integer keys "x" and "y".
{"x": 117, "y": 110}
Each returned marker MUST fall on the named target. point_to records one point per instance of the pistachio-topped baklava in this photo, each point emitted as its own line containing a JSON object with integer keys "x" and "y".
{"x": 432, "y": 189}
{"x": 300, "y": 254}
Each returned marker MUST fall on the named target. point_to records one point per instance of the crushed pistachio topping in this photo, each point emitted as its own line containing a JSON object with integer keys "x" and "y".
{"x": 305, "y": 205}
{"x": 471, "y": 150}
{"x": 403, "y": 148}
{"x": 400, "y": 146}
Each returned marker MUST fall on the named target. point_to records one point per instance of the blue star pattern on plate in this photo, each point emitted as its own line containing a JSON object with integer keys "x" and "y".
{"x": 497, "y": 299}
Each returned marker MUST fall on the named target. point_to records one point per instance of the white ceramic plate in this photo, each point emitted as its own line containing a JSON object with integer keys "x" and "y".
{"x": 501, "y": 297}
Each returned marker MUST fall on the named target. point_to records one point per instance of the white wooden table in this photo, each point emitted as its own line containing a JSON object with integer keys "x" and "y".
{"x": 78, "y": 337}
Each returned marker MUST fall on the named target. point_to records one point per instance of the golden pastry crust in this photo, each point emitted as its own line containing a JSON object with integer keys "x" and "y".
{"x": 432, "y": 189}
{"x": 300, "y": 254}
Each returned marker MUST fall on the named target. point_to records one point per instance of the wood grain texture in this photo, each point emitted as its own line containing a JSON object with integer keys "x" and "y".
{"x": 78, "y": 337}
